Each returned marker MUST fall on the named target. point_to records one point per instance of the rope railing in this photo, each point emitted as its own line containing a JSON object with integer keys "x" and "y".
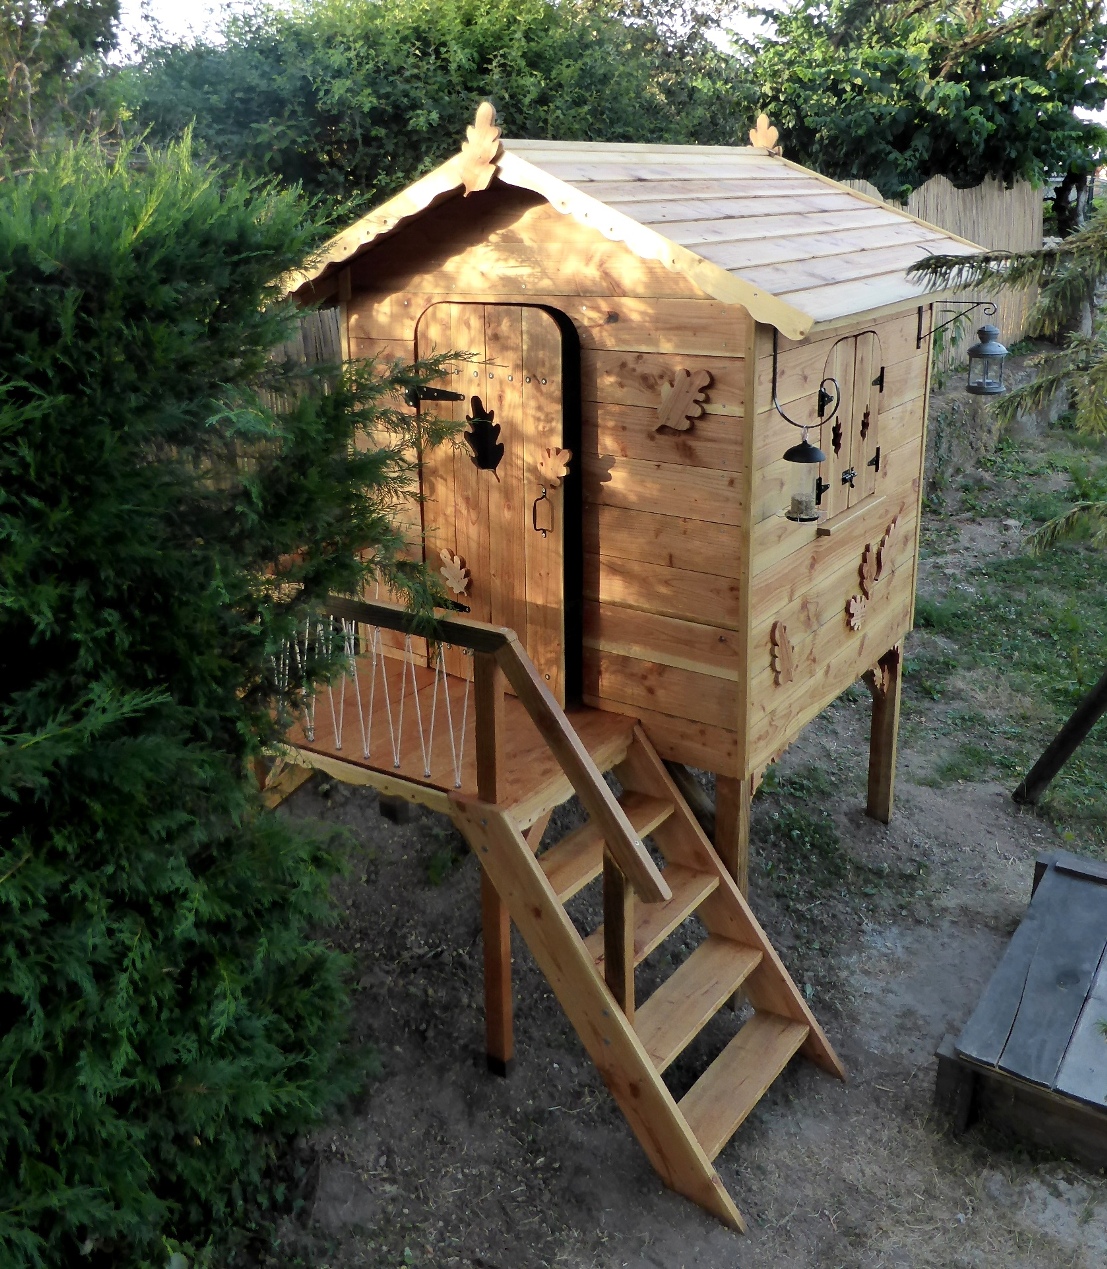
{"x": 385, "y": 693}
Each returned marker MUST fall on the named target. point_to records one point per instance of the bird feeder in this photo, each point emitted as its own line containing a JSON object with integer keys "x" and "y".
{"x": 805, "y": 485}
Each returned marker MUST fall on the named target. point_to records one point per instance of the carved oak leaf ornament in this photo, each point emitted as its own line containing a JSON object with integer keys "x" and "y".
{"x": 553, "y": 465}
{"x": 884, "y": 550}
{"x": 868, "y": 571}
{"x": 454, "y": 572}
{"x": 682, "y": 400}
{"x": 764, "y": 134}
{"x": 480, "y": 150}
{"x": 782, "y": 653}
{"x": 855, "y": 611}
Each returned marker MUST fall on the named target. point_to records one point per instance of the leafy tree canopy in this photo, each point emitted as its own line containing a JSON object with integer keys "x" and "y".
{"x": 355, "y": 98}
{"x": 897, "y": 93}
{"x": 50, "y": 64}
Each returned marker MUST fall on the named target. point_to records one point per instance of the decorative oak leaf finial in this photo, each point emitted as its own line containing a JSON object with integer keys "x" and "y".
{"x": 682, "y": 400}
{"x": 855, "y": 611}
{"x": 782, "y": 653}
{"x": 480, "y": 150}
{"x": 884, "y": 550}
{"x": 454, "y": 572}
{"x": 868, "y": 571}
{"x": 764, "y": 135}
{"x": 553, "y": 465}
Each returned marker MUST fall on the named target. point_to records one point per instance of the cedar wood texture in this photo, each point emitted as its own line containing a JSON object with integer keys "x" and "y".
{"x": 687, "y": 558}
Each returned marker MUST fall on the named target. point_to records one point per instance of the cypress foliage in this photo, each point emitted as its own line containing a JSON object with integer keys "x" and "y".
{"x": 168, "y": 1013}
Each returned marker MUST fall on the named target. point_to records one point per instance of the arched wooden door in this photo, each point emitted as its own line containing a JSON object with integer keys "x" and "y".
{"x": 495, "y": 500}
{"x": 851, "y": 441}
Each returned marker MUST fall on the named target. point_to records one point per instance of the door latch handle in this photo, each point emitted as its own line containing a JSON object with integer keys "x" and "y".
{"x": 848, "y": 477}
{"x": 542, "y": 497}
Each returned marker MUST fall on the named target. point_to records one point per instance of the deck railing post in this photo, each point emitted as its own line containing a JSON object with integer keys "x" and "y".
{"x": 488, "y": 684}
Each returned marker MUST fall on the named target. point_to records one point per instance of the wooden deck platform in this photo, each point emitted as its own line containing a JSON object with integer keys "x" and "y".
{"x": 1032, "y": 1059}
{"x": 531, "y": 778}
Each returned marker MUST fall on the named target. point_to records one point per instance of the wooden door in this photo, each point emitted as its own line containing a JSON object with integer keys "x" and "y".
{"x": 495, "y": 499}
{"x": 851, "y": 440}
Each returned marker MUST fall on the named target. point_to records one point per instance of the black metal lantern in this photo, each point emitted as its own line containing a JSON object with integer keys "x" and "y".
{"x": 805, "y": 488}
{"x": 986, "y": 364}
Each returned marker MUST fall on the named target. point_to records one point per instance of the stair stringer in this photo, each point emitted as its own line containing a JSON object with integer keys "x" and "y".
{"x": 610, "y": 1040}
{"x": 726, "y": 910}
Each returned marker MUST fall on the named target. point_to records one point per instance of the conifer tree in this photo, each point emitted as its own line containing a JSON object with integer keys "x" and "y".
{"x": 170, "y": 1013}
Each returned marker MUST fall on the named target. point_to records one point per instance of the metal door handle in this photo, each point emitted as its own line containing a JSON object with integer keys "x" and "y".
{"x": 542, "y": 497}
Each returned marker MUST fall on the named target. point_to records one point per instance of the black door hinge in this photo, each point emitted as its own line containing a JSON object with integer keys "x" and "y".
{"x": 878, "y": 382}
{"x": 414, "y": 395}
{"x": 874, "y": 462}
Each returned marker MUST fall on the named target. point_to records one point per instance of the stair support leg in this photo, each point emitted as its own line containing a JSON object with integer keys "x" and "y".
{"x": 499, "y": 1021}
{"x": 618, "y": 936}
{"x": 884, "y": 682}
{"x": 733, "y": 799}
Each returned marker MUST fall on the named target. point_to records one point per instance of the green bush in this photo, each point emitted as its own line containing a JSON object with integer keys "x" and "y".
{"x": 170, "y": 1013}
{"x": 355, "y": 98}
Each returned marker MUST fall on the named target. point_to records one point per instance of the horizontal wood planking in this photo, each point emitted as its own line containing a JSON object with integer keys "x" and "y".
{"x": 629, "y": 431}
{"x": 670, "y": 541}
{"x": 671, "y": 592}
{"x": 776, "y": 537}
{"x": 637, "y": 378}
{"x": 667, "y": 640}
{"x": 858, "y": 651}
{"x": 707, "y": 495}
{"x": 798, "y": 576}
{"x": 663, "y": 689}
{"x": 816, "y": 640}
{"x": 803, "y": 275}
{"x": 746, "y": 254}
{"x": 678, "y": 739}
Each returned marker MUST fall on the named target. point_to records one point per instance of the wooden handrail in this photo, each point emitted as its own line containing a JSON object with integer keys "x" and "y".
{"x": 547, "y": 715}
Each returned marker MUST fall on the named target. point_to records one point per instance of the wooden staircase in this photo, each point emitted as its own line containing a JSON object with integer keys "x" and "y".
{"x": 644, "y": 904}
{"x": 593, "y": 976}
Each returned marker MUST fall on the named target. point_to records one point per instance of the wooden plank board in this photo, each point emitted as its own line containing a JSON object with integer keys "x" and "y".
{"x": 628, "y": 431}
{"x": 1059, "y": 977}
{"x": 679, "y": 739}
{"x": 776, "y": 249}
{"x": 542, "y": 417}
{"x": 576, "y": 860}
{"x": 663, "y": 689}
{"x": 682, "y": 1006}
{"x": 1083, "y": 1070}
{"x": 669, "y": 592}
{"x": 656, "y": 921}
{"x": 671, "y": 541}
{"x": 638, "y": 485}
{"x": 666, "y": 640}
{"x": 637, "y": 378}
{"x": 735, "y": 1082}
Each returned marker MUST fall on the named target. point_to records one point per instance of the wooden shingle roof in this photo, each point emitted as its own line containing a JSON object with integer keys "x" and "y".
{"x": 746, "y": 226}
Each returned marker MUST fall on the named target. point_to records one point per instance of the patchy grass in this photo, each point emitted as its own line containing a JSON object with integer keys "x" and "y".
{"x": 825, "y": 893}
{"x": 1010, "y": 641}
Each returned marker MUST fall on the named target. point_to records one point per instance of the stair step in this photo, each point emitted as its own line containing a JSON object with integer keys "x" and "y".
{"x": 683, "y": 1005}
{"x": 739, "y": 1077}
{"x": 578, "y": 858}
{"x": 656, "y": 921}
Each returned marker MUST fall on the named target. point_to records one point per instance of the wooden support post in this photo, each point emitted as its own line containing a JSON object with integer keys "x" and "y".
{"x": 884, "y": 683}
{"x": 733, "y": 797}
{"x": 499, "y": 1028}
{"x": 618, "y": 935}
{"x": 1061, "y": 748}
{"x": 488, "y": 684}
{"x": 499, "y": 1031}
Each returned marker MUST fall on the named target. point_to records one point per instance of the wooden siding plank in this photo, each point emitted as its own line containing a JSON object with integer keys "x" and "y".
{"x": 644, "y": 486}
{"x": 629, "y": 378}
{"x": 678, "y": 739}
{"x": 670, "y": 592}
{"x": 671, "y": 541}
{"x": 630, "y": 431}
{"x": 667, "y": 640}
{"x": 662, "y": 689}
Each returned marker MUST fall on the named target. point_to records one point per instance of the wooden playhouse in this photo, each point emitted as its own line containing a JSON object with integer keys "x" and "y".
{"x": 645, "y": 579}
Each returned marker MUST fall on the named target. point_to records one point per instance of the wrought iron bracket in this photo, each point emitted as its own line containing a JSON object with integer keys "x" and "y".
{"x": 964, "y": 308}
{"x": 824, "y": 398}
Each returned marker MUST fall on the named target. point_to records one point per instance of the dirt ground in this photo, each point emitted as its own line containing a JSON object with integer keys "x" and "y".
{"x": 893, "y": 931}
